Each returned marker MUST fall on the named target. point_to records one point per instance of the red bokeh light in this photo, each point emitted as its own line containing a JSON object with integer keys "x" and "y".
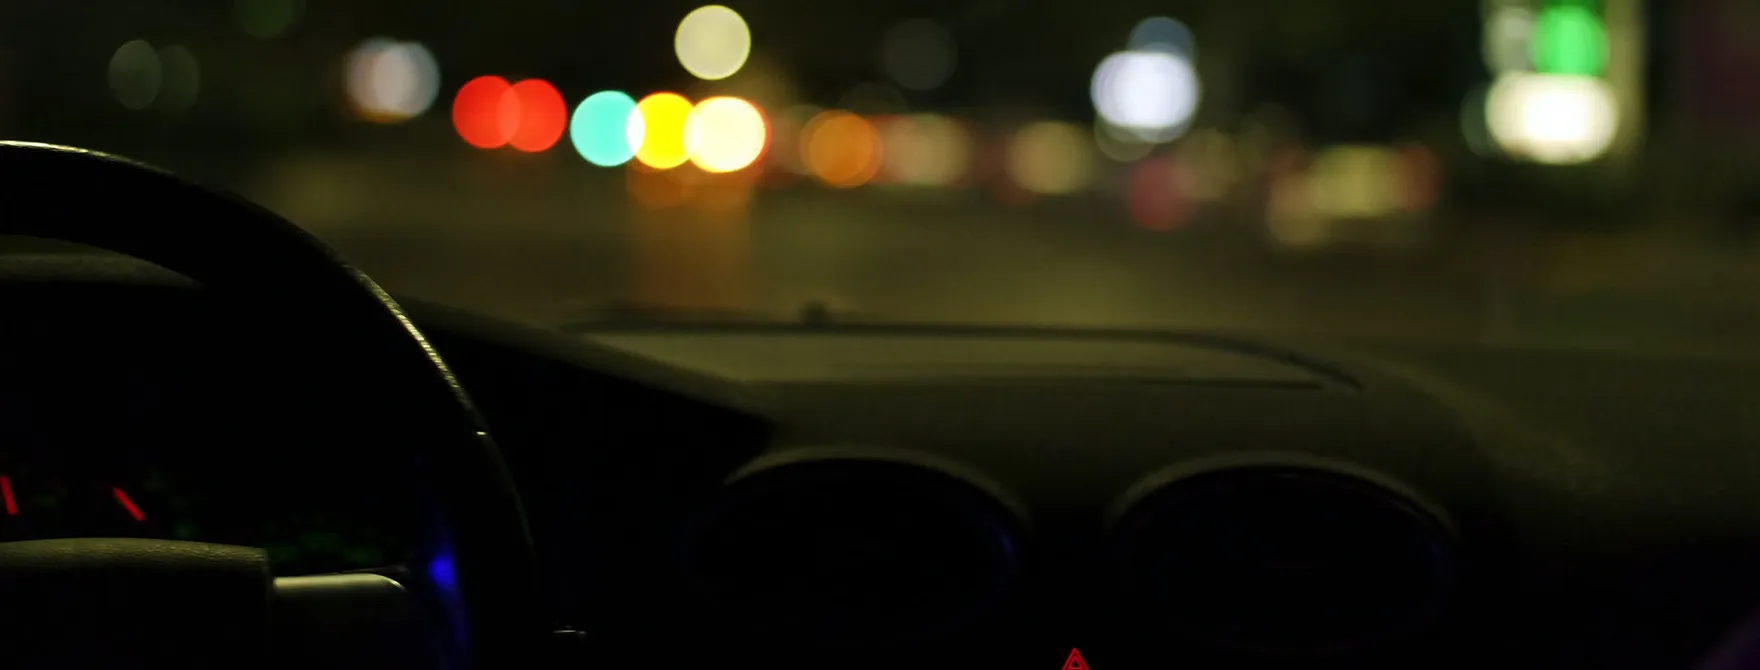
{"x": 541, "y": 113}
{"x": 1155, "y": 199}
{"x": 486, "y": 112}
{"x": 490, "y": 113}
{"x": 1420, "y": 180}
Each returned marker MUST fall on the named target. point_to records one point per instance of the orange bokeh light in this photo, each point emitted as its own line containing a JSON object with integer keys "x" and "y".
{"x": 841, "y": 149}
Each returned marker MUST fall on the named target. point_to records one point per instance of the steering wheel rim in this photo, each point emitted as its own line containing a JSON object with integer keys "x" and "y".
{"x": 268, "y": 259}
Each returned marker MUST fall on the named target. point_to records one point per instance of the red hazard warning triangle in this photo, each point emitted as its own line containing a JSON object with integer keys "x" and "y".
{"x": 1075, "y": 661}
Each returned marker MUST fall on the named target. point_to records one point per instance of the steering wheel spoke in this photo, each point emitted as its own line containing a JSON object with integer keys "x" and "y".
{"x": 351, "y": 620}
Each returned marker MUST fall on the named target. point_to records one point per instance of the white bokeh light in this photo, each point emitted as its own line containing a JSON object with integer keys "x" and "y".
{"x": 712, "y": 42}
{"x": 635, "y": 129}
{"x": 724, "y": 134}
{"x": 1150, "y": 94}
{"x": 136, "y": 74}
{"x": 1557, "y": 119}
{"x": 390, "y": 81}
{"x": 1508, "y": 39}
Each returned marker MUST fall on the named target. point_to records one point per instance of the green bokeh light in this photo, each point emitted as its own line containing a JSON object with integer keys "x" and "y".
{"x": 1570, "y": 39}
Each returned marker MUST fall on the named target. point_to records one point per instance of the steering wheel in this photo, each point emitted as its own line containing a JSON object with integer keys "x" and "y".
{"x": 152, "y": 603}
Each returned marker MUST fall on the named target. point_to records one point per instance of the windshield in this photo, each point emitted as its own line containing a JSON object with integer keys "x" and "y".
{"x": 1574, "y": 173}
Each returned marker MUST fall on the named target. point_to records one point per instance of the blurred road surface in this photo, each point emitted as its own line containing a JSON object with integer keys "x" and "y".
{"x": 544, "y": 239}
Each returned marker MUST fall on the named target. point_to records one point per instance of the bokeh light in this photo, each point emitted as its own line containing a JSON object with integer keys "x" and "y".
{"x": 542, "y": 114}
{"x": 1291, "y": 219}
{"x": 724, "y": 134}
{"x": 1557, "y": 119}
{"x": 486, "y": 112}
{"x": 1164, "y": 33}
{"x": 788, "y": 139}
{"x": 926, "y": 150}
{"x": 1051, "y": 158}
{"x": 1569, "y": 39}
{"x": 600, "y": 127}
{"x": 918, "y": 54}
{"x": 841, "y": 149}
{"x": 635, "y": 131}
{"x": 658, "y": 128}
{"x": 266, "y": 19}
{"x": 1350, "y": 181}
{"x": 712, "y": 42}
{"x": 1119, "y": 144}
{"x": 1210, "y": 164}
{"x": 1420, "y": 177}
{"x": 1154, "y": 197}
{"x": 1508, "y": 38}
{"x": 389, "y": 81}
{"x": 1475, "y": 129}
{"x": 135, "y": 74}
{"x": 1151, "y": 94}
{"x": 181, "y": 79}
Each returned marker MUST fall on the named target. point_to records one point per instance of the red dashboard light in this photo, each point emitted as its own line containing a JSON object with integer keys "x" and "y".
{"x": 1075, "y": 660}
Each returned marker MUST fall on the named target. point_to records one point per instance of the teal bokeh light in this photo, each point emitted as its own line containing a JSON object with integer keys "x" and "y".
{"x": 599, "y": 128}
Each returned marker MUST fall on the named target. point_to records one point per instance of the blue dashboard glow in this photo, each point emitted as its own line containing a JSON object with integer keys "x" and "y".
{"x": 442, "y": 572}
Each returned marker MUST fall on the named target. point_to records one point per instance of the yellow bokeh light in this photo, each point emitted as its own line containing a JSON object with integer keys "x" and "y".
{"x": 841, "y": 149}
{"x": 712, "y": 42}
{"x": 662, "y": 118}
{"x": 1051, "y": 158}
{"x": 724, "y": 134}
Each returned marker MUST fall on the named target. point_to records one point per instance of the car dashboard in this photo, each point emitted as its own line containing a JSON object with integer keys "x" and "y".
{"x": 885, "y": 495}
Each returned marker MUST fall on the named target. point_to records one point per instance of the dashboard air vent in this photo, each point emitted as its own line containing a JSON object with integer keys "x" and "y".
{"x": 1282, "y": 561}
{"x": 852, "y": 551}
